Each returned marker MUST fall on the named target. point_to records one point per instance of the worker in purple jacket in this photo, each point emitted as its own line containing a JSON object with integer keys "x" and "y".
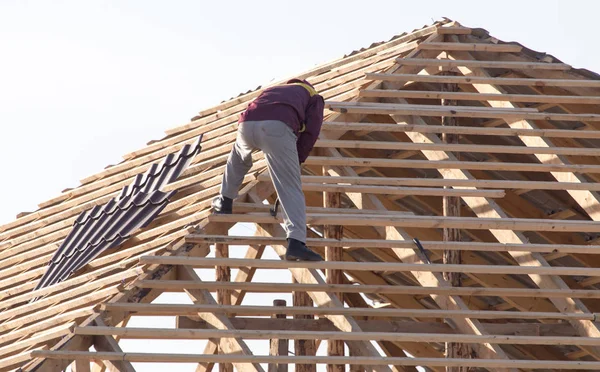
{"x": 284, "y": 122}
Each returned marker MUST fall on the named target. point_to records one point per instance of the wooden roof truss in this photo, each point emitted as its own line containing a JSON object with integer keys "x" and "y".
{"x": 485, "y": 151}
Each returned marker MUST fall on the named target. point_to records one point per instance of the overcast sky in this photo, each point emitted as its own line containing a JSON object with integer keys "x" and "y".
{"x": 84, "y": 82}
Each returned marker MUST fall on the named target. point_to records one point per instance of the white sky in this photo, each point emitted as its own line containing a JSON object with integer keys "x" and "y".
{"x": 84, "y": 82}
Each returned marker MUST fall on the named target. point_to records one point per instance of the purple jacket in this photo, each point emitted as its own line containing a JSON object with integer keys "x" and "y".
{"x": 298, "y": 105}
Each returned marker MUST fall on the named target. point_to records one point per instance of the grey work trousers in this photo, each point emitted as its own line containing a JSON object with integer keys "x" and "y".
{"x": 278, "y": 142}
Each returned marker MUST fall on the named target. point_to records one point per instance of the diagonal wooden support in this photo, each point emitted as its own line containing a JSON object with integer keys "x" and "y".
{"x": 431, "y": 279}
{"x": 588, "y": 200}
{"x": 245, "y": 274}
{"x": 108, "y": 343}
{"x": 219, "y": 321}
{"x": 488, "y": 208}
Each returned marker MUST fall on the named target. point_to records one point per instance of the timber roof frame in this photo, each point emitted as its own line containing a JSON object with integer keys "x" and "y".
{"x": 525, "y": 171}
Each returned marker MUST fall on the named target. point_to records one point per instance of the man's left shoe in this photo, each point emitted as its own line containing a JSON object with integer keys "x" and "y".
{"x": 222, "y": 205}
{"x": 298, "y": 251}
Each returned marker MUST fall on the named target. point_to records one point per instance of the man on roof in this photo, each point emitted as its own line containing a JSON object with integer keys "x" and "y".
{"x": 284, "y": 122}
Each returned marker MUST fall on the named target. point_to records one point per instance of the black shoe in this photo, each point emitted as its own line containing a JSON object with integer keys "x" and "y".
{"x": 222, "y": 205}
{"x": 298, "y": 251}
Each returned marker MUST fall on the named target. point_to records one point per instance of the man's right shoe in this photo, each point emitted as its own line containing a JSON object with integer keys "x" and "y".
{"x": 298, "y": 251}
{"x": 222, "y": 205}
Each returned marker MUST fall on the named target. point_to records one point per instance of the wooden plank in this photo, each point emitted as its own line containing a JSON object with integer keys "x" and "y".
{"x": 400, "y": 191}
{"x": 467, "y": 96}
{"x": 423, "y": 110}
{"x": 485, "y": 80}
{"x": 472, "y": 47}
{"x": 174, "y": 310}
{"x": 223, "y": 273}
{"x": 419, "y": 128}
{"x": 451, "y": 208}
{"x": 494, "y": 149}
{"x": 431, "y": 362}
{"x": 268, "y": 287}
{"x": 197, "y": 262}
{"x": 80, "y": 366}
{"x": 518, "y": 224}
{"x": 278, "y": 346}
{"x": 253, "y": 207}
{"x": 453, "y": 30}
{"x": 304, "y": 347}
{"x": 95, "y": 277}
{"x": 202, "y": 334}
{"x": 378, "y": 325}
{"x": 381, "y": 243}
{"x": 451, "y": 164}
{"x": 443, "y": 182}
{"x": 32, "y": 340}
{"x": 44, "y": 324}
{"x": 332, "y": 199}
{"x": 428, "y": 62}
{"x": 16, "y": 319}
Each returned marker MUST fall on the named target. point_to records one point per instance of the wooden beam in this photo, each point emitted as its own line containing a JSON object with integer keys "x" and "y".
{"x": 467, "y": 96}
{"x": 108, "y": 343}
{"x": 464, "y": 111}
{"x": 444, "y": 182}
{"x": 430, "y": 362}
{"x": 403, "y": 191}
{"x": 339, "y": 126}
{"x": 269, "y": 287}
{"x": 494, "y": 149}
{"x": 174, "y": 310}
{"x": 473, "y": 47}
{"x": 373, "y": 266}
{"x": 80, "y": 366}
{"x": 253, "y": 207}
{"x": 202, "y": 334}
{"x": 484, "y": 80}
{"x": 452, "y": 164}
{"x": 377, "y": 325}
{"x": 451, "y": 208}
{"x": 332, "y": 199}
{"x": 278, "y": 347}
{"x": 429, "y": 62}
{"x": 453, "y": 30}
{"x": 223, "y": 274}
{"x": 518, "y": 224}
{"x": 304, "y": 347}
{"x": 431, "y": 245}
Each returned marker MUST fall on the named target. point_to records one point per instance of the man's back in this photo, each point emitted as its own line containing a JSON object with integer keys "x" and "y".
{"x": 285, "y": 103}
